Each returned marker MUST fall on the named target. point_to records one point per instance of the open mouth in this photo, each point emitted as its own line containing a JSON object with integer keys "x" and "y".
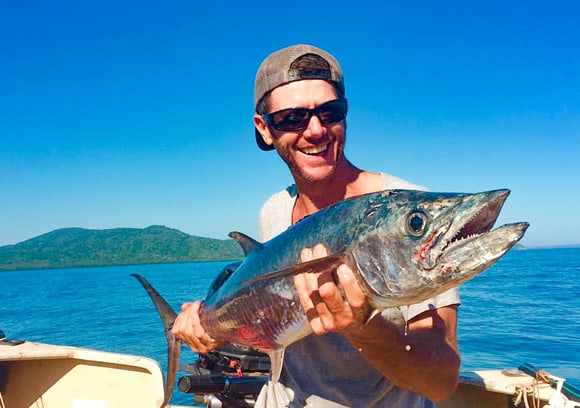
{"x": 472, "y": 218}
{"x": 484, "y": 219}
{"x": 315, "y": 150}
{"x": 470, "y": 245}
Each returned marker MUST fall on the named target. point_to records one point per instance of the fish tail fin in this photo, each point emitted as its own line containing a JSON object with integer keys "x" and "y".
{"x": 168, "y": 316}
{"x": 276, "y": 363}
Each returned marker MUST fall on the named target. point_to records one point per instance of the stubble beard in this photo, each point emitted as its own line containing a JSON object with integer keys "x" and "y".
{"x": 299, "y": 173}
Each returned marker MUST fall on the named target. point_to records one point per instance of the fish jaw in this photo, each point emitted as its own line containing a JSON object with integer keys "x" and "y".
{"x": 472, "y": 255}
{"x": 461, "y": 249}
{"x": 454, "y": 244}
{"x": 471, "y": 216}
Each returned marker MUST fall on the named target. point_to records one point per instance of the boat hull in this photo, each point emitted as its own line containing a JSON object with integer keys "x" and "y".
{"x": 52, "y": 376}
{"x": 41, "y": 375}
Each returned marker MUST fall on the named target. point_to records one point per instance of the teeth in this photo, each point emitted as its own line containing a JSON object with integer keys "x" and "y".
{"x": 314, "y": 150}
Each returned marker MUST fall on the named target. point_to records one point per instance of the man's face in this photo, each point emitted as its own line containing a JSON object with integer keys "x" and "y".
{"x": 312, "y": 154}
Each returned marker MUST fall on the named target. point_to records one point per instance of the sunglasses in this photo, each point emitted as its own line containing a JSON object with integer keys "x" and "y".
{"x": 298, "y": 118}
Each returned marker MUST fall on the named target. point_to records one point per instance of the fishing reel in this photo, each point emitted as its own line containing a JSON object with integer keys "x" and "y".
{"x": 228, "y": 377}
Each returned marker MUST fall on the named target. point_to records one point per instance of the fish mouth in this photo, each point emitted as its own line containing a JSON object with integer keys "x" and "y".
{"x": 467, "y": 244}
{"x": 482, "y": 221}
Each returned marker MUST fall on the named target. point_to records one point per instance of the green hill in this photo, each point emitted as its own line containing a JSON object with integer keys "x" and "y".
{"x": 77, "y": 247}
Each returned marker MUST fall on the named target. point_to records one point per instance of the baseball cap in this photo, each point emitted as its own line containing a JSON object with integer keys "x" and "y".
{"x": 294, "y": 63}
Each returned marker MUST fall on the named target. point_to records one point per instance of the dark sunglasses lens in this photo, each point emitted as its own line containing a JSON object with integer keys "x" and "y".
{"x": 297, "y": 118}
{"x": 290, "y": 119}
{"x": 332, "y": 112}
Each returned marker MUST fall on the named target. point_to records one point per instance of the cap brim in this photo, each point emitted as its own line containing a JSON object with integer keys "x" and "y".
{"x": 260, "y": 142}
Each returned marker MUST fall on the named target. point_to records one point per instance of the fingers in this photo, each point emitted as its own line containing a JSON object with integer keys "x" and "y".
{"x": 356, "y": 299}
{"x": 329, "y": 307}
{"x": 187, "y": 327}
{"x": 303, "y": 285}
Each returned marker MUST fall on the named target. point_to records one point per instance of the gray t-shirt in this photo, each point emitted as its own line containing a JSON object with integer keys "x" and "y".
{"x": 326, "y": 371}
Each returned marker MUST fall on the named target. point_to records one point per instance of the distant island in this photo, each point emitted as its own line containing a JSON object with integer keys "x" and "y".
{"x": 79, "y": 247}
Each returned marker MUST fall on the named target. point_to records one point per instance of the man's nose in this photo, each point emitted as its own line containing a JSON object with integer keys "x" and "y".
{"x": 315, "y": 127}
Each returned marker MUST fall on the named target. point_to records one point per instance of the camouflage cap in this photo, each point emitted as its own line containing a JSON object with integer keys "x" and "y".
{"x": 294, "y": 63}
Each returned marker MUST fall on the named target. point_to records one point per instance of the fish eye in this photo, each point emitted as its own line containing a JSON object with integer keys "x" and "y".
{"x": 416, "y": 223}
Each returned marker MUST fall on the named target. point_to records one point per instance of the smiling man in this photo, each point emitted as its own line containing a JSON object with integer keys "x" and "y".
{"x": 403, "y": 357}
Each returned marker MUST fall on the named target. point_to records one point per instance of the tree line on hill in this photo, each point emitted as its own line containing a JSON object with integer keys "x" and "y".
{"x": 79, "y": 247}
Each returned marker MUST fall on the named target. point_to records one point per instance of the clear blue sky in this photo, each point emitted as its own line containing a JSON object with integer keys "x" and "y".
{"x": 134, "y": 113}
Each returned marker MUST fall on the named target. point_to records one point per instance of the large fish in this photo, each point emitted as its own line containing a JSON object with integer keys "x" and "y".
{"x": 404, "y": 245}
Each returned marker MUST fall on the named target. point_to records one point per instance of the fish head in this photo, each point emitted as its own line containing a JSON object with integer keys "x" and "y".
{"x": 413, "y": 245}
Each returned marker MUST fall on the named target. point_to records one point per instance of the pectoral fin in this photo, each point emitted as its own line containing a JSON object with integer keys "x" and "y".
{"x": 328, "y": 263}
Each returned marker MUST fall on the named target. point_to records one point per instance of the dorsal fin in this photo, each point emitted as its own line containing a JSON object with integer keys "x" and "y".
{"x": 247, "y": 243}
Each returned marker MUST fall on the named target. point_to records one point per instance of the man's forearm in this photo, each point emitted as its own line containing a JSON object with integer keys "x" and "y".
{"x": 426, "y": 361}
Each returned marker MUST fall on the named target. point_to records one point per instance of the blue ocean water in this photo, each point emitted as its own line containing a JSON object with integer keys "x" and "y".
{"x": 525, "y": 308}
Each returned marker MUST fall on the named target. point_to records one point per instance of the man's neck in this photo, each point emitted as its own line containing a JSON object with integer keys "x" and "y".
{"x": 316, "y": 195}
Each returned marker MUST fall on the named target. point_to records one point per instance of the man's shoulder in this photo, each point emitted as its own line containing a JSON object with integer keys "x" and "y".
{"x": 288, "y": 194}
{"x": 276, "y": 213}
{"x": 394, "y": 183}
{"x": 281, "y": 199}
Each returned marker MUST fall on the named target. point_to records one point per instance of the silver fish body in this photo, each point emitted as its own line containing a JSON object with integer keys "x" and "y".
{"x": 405, "y": 246}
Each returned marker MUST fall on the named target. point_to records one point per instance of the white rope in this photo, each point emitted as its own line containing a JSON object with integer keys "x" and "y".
{"x": 525, "y": 392}
{"x": 532, "y": 391}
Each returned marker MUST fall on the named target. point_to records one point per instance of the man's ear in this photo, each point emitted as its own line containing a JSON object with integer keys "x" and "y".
{"x": 263, "y": 129}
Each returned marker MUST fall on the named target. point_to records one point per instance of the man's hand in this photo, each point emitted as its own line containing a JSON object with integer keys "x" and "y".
{"x": 188, "y": 328}
{"x": 332, "y": 300}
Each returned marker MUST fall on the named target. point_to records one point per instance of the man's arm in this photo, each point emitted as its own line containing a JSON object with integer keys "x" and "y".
{"x": 426, "y": 361}
{"x": 429, "y": 367}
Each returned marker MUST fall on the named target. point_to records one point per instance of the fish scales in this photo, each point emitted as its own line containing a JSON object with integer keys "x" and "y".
{"x": 271, "y": 306}
{"x": 255, "y": 321}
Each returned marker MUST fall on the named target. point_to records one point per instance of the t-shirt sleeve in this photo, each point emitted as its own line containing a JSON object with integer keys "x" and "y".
{"x": 276, "y": 214}
{"x": 404, "y": 313}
